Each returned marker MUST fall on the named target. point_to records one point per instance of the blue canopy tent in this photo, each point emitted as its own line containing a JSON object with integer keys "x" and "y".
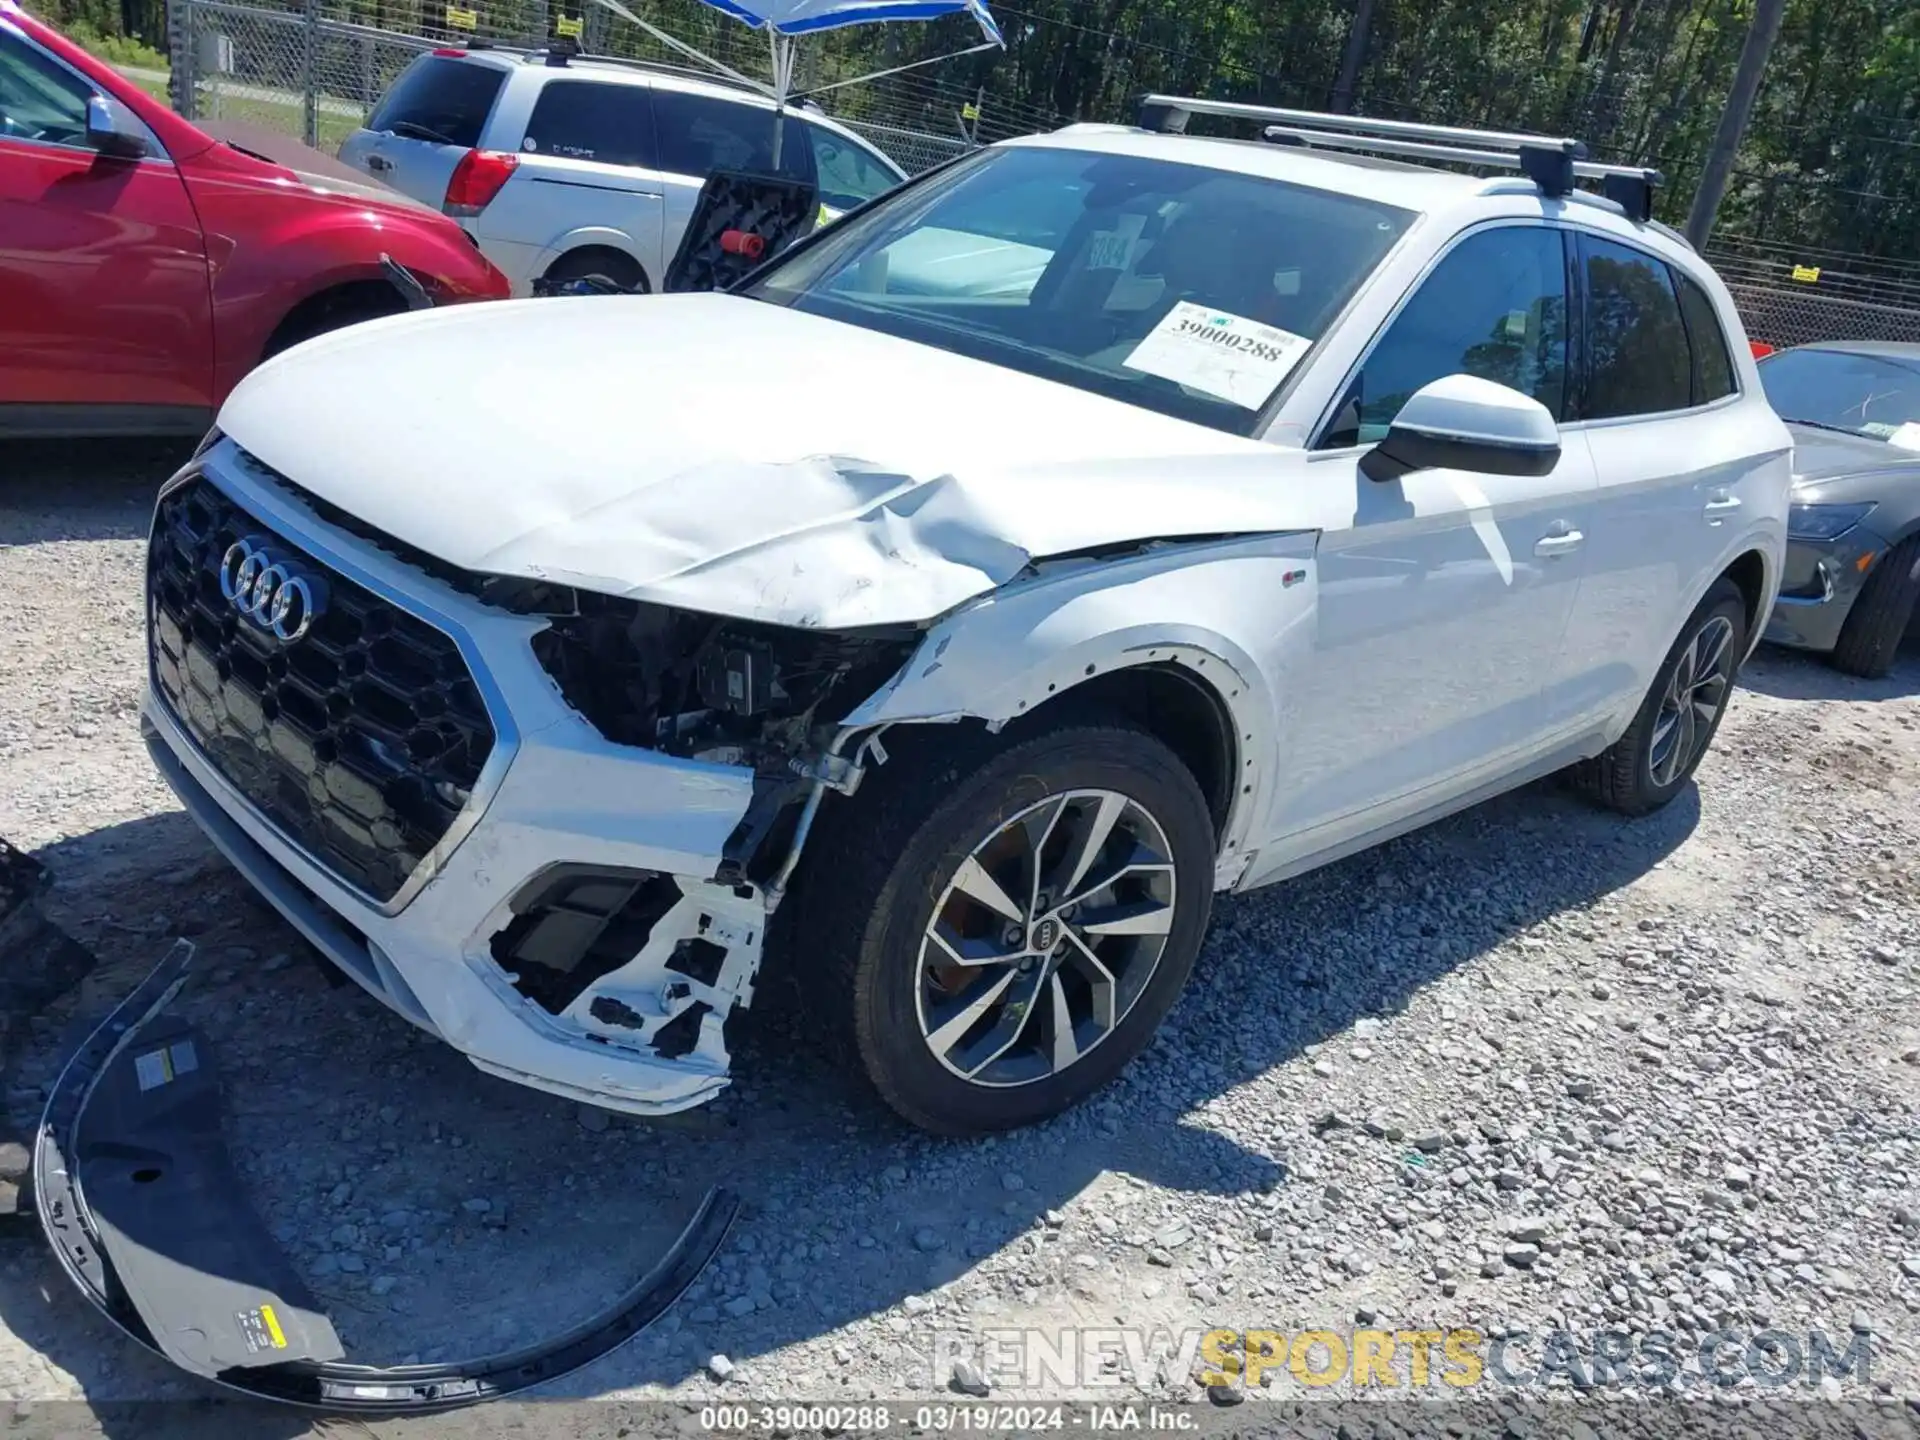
{"x": 785, "y": 21}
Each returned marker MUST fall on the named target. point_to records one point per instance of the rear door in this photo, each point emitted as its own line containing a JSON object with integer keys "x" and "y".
{"x": 588, "y": 176}
{"x": 436, "y": 111}
{"x": 103, "y": 273}
{"x": 1671, "y": 453}
{"x": 700, "y": 134}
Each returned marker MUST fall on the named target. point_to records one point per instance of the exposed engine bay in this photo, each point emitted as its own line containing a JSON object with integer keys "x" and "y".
{"x": 729, "y": 691}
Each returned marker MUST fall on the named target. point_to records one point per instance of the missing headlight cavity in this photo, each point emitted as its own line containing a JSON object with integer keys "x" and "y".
{"x": 688, "y": 684}
{"x": 576, "y": 926}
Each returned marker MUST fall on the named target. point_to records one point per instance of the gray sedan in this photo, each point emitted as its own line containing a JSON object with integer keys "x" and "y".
{"x": 1853, "y": 552}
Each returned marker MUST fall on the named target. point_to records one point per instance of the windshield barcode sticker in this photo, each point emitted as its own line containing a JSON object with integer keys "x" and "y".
{"x": 1223, "y": 355}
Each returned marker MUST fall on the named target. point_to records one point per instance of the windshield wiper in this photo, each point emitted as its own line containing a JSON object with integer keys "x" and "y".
{"x": 420, "y": 132}
{"x": 1823, "y": 425}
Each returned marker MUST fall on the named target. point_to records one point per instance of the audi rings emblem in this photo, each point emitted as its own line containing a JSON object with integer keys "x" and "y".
{"x": 273, "y": 592}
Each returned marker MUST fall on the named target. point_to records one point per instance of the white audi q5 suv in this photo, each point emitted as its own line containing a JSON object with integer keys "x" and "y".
{"x": 1187, "y": 513}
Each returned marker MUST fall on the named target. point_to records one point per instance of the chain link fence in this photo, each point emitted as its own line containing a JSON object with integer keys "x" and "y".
{"x": 305, "y": 67}
{"x": 1789, "y": 296}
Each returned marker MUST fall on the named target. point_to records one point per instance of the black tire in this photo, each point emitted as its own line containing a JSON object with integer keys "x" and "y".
{"x": 598, "y": 263}
{"x": 1870, "y": 639}
{"x": 1622, "y": 777}
{"x": 878, "y": 864}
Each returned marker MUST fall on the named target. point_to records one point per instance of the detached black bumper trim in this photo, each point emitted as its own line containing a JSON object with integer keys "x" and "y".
{"x": 333, "y": 1386}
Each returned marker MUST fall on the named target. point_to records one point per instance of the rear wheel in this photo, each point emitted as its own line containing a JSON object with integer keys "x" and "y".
{"x": 1650, "y": 764}
{"x": 609, "y": 267}
{"x": 997, "y": 929}
{"x": 1870, "y": 638}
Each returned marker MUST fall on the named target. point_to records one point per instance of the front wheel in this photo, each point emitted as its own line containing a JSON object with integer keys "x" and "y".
{"x": 1870, "y": 639}
{"x": 1650, "y": 764}
{"x": 998, "y": 928}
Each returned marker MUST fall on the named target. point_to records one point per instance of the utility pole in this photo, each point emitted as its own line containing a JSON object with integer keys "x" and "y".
{"x": 1352, "y": 57}
{"x": 1714, "y": 174}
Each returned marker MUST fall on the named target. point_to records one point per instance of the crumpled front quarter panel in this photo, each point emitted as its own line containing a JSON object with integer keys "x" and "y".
{"x": 1238, "y": 615}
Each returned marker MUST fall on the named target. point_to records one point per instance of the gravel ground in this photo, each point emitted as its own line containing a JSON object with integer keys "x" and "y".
{"x": 1535, "y": 1068}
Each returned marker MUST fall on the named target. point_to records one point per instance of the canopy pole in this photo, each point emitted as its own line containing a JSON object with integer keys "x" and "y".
{"x": 682, "y": 47}
{"x": 782, "y": 47}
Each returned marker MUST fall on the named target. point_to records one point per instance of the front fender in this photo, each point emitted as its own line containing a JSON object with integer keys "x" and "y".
{"x": 1238, "y": 615}
{"x": 273, "y": 243}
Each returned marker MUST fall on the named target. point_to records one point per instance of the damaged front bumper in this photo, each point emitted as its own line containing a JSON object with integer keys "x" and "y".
{"x": 567, "y": 931}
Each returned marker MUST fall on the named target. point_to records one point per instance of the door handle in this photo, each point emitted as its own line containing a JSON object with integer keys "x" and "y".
{"x": 1547, "y": 546}
{"x": 1719, "y": 505}
{"x": 379, "y": 162}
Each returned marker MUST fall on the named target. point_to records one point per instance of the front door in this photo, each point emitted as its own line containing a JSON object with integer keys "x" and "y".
{"x": 1443, "y": 604}
{"x": 103, "y": 275}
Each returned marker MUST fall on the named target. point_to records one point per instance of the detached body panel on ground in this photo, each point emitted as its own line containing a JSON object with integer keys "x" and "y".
{"x": 139, "y": 283}
{"x": 1229, "y": 509}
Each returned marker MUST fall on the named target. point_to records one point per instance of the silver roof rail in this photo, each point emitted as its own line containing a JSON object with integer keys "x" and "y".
{"x": 1552, "y": 162}
{"x": 558, "y": 54}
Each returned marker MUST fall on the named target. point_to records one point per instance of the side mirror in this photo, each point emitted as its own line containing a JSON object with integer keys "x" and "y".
{"x": 112, "y": 131}
{"x": 1460, "y": 422}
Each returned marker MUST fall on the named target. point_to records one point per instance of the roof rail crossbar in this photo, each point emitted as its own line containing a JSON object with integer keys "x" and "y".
{"x": 1170, "y": 113}
{"x": 562, "y": 51}
{"x": 1552, "y": 162}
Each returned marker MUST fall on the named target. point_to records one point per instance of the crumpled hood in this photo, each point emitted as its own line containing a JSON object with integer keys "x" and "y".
{"x": 313, "y": 168}
{"x": 731, "y": 456}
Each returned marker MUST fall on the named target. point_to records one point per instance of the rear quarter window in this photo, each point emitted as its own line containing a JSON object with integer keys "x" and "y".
{"x": 441, "y": 99}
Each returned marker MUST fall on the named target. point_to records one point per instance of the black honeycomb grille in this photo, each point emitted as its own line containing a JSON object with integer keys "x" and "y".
{"x": 362, "y": 741}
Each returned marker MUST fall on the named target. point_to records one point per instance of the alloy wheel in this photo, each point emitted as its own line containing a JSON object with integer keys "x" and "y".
{"x": 1045, "y": 937}
{"x": 1695, "y": 694}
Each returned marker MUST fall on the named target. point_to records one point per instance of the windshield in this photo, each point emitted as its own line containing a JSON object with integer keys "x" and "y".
{"x": 1839, "y": 390}
{"x": 1178, "y": 288}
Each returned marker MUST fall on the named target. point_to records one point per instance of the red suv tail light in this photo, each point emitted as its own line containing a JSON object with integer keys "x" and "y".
{"x": 476, "y": 180}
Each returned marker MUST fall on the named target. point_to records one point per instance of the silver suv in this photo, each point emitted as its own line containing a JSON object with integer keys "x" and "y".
{"x": 565, "y": 167}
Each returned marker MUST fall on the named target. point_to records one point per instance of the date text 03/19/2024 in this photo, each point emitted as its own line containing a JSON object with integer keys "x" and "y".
{"x": 953, "y": 1418}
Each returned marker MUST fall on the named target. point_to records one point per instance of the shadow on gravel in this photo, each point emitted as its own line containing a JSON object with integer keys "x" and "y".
{"x": 343, "y": 1118}
{"x": 1799, "y": 675}
{"x": 82, "y": 489}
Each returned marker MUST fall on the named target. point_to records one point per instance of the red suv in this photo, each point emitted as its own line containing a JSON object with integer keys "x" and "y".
{"x": 145, "y": 265}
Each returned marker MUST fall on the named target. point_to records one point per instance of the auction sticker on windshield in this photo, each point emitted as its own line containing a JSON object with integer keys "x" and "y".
{"x": 1223, "y": 355}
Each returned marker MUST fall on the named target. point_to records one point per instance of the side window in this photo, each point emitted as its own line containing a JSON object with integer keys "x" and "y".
{"x": 700, "y": 134}
{"x": 1637, "y": 355}
{"x": 849, "y": 176}
{"x": 1495, "y": 307}
{"x": 38, "y": 99}
{"x": 1712, "y": 365}
{"x": 586, "y": 120}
